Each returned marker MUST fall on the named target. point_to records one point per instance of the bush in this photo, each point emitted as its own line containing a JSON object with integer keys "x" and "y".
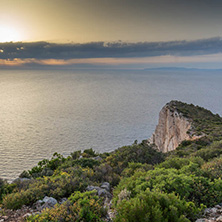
{"x": 210, "y": 152}
{"x": 81, "y": 207}
{"x": 6, "y": 188}
{"x": 184, "y": 165}
{"x": 61, "y": 185}
{"x": 138, "y": 153}
{"x": 45, "y": 167}
{"x": 213, "y": 169}
{"x": 189, "y": 149}
{"x": 25, "y": 174}
{"x": 3, "y": 185}
{"x": 194, "y": 188}
{"x": 17, "y": 200}
{"x": 75, "y": 155}
{"x": 86, "y": 162}
{"x": 136, "y": 167}
{"x": 156, "y": 206}
{"x": 89, "y": 153}
{"x": 104, "y": 173}
{"x": 176, "y": 163}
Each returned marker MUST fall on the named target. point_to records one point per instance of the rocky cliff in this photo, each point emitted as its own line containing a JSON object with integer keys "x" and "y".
{"x": 172, "y": 128}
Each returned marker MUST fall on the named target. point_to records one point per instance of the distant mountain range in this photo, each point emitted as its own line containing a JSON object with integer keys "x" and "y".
{"x": 181, "y": 69}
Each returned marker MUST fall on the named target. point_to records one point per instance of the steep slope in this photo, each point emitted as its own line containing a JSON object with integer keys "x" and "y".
{"x": 180, "y": 121}
{"x": 171, "y": 129}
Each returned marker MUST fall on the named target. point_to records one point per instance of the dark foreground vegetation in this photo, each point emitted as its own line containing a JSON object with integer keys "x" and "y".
{"x": 146, "y": 185}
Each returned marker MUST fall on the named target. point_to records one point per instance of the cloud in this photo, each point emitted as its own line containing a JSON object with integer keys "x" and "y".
{"x": 46, "y": 50}
{"x": 130, "y": 61}
{"x": 110, "y": 54}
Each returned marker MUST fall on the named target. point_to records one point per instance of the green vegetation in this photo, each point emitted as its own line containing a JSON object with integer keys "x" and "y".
{"x": 62, "y": 177}
{"x": 156, "y": 206}
{"x": 204, "y": 121}
{"x": 146, "y": 185}
{"x": 186, "y": 182}
{"x": 205, "y": 124}
{"x": 5, "y": 188}
{"x": 81, "y": 207}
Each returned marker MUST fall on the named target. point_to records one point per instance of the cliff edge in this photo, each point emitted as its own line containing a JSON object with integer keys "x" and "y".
{"x": 173, "y": 127}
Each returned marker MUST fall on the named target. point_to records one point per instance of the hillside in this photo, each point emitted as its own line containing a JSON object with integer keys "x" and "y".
{"x": 132, "y": 183}
{"x": 180, "y": 121}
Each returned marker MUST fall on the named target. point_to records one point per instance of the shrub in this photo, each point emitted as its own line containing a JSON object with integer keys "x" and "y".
{"x": 210, "y": 152}
{"x": 190, "y": 187}
{"x": 188, "y": 149}
{"x": 86, "y": 162}
{"x": 138, "y": 153}
{"x": 89, "y": 153}
{"x": 187, "y": 166}
{"x": 156, "y": 206}
{"x": 75, "y": 155}
{"x": 61, "y": 185}
{"x": 186, "y": 143}
{"x": 17, "y": 200}
{"x": 104, "y": 172}
{"x": 6, "y": 188}
{"x": 45, "y": 167}
{"x": 176, "y": 163}
{"x": 213, "y": 169}
{"x": 81, "y": 207}
{"x": 3, "y": 185}
{"x": 136, "y": 167}
{"x": 2, "y": 188}
{"x": 25, "y": 174}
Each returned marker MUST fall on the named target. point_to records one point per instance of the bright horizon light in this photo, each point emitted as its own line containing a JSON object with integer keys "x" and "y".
{"x": 9, "y": 34}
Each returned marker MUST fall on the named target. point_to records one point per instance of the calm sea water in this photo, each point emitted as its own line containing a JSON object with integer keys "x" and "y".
{"x": 42, "y": 112}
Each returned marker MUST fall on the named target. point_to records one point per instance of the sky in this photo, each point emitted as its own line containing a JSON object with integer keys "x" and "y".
{"x": 111, "y": 33}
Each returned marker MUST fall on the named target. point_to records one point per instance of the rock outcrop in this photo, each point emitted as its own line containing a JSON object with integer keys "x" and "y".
{"x": 172, "y": 129}
{"x": 102, "y": 191}
{"x": 213, "y": 214}
{"x": 47, "y": 202}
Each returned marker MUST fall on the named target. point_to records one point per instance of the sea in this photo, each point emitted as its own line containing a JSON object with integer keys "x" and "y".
{"x": 48, "y": 111}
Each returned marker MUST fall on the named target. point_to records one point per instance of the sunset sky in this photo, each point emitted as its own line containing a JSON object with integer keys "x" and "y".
{"x": 120, "y": 33}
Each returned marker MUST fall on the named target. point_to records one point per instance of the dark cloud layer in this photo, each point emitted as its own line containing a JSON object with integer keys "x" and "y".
{"x": 45, "y": 50}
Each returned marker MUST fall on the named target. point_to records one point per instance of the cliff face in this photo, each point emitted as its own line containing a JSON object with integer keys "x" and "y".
{"x": 171, "y": 129}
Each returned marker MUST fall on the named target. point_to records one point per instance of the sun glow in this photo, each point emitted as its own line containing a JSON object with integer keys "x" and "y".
{"x": 9, "y": 34}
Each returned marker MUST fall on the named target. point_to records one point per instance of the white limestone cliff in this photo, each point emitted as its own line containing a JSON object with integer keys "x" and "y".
{"x": 171, "y": 130}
